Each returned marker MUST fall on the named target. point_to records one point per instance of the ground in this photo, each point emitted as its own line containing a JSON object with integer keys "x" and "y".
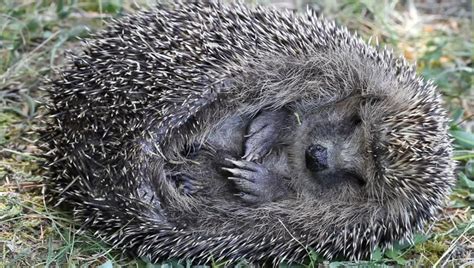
{"x": 34, "y": 36}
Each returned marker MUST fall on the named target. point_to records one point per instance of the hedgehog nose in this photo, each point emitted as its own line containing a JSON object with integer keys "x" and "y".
{"x": 316, "y": 157}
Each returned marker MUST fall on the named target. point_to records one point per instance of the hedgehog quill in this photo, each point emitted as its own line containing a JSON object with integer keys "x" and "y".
{"x": 205, "y": 131}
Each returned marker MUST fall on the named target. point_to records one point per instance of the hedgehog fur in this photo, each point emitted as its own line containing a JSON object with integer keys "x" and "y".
{"x": 152, "y": 85}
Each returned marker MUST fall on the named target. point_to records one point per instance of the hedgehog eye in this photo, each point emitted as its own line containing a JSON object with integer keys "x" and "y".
{"x": 352, "y": 176}
{"x": 355, "y": 120}
{"x": 357, "y": 178}
{"x": 347, "y": 126}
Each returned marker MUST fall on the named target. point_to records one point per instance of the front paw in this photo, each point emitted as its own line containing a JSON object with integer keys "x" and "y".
{"x": 262, "y": 134}
{"x": 256, "y": 183}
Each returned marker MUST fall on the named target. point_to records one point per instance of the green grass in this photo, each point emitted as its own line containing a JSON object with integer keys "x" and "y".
{"x": 33, "y": 38}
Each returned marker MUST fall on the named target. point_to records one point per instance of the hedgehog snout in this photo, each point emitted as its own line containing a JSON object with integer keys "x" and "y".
{"x": 316, "y": 157}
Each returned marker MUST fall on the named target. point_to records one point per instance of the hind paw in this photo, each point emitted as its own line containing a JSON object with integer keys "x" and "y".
{"x": 186, "y": 184}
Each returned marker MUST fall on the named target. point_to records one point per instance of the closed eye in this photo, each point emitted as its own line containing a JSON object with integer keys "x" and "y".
{"x": 349, "y": 125}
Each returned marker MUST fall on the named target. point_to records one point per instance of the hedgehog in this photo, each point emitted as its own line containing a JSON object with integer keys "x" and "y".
{"x": 215, "y": 132}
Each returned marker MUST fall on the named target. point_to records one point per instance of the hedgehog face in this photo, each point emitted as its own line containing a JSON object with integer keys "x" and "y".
{"x": 330, "y": 149}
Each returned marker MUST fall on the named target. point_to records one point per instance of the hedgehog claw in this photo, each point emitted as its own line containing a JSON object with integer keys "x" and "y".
{"x": 243, "y": 164}
{"x": 241, "y": 173}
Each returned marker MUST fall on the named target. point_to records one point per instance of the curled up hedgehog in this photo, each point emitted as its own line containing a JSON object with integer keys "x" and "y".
{"x": 210, "y": 132}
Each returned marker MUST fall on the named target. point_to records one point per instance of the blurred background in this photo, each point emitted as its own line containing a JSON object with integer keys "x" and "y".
{"x": 436, "y": 35}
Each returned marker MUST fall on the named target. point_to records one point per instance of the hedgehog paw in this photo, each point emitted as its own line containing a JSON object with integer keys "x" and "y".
{"x": 255, "y": 182}
{"x": 186, "y": 184}
{"x": 262, "y": 134}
